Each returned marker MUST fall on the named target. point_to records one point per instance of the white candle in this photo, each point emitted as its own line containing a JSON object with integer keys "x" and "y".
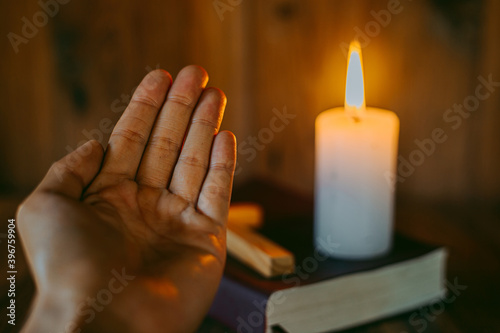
{"x": 356, "y": 147}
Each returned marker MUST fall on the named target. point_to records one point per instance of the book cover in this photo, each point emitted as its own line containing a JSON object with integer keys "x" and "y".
{"x": 242, "y": 301}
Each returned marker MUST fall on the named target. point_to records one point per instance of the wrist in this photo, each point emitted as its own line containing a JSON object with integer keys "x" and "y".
{"x": 53, "y": 313}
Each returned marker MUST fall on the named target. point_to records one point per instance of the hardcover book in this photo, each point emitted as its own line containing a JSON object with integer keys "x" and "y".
{"x": 325, "y": 294}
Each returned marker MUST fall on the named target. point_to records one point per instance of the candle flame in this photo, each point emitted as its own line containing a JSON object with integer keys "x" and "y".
{"x": 354, "y": 88}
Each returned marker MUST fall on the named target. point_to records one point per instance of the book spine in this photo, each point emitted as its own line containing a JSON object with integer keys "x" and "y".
{"x": 239, "y": 307}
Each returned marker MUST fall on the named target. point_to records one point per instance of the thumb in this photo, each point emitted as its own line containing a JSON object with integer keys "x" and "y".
{"x": 73, "y": 173}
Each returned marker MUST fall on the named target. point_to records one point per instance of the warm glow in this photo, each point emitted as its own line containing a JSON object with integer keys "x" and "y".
{"x": 354, "y": 86}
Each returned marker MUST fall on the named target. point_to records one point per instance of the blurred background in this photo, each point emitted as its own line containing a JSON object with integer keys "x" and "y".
{"x": 77, "y": 65}
{"x": 69, "y": 68}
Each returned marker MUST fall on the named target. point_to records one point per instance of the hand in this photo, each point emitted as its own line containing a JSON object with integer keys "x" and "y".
{"x": 135, "y": 241}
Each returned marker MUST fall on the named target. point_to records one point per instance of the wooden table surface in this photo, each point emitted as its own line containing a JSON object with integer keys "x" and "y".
{"x": 470, "y": 231}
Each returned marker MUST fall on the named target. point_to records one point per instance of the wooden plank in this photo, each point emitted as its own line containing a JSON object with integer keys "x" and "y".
{"x": 26, "y": 129}
{"x": 246, "y": 214}
{"x": 258, "y": 252}
{"x": 253, "y": 249}
{"x": 487, "y": 144}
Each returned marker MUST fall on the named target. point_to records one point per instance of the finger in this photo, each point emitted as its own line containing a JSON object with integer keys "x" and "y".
{"x": 131, "y": 133}
{"x": 170, "y": 127}
{"x": 73, "y": 173}
{"x": 192, "y": 165}
{"x": 215, "y": 193}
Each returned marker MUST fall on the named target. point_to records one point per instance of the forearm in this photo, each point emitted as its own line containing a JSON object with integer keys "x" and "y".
{"x": 141, "y": 308}
{"x": 53, "y": 313}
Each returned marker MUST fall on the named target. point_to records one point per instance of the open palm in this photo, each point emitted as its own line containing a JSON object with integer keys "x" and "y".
{"x": 133, "y": 238}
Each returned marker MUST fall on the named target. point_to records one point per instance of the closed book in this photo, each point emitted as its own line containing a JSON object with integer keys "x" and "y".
{"x": 325, "y": 294}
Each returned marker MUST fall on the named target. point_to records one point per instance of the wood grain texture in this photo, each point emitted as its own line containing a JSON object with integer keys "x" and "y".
{"x": 76, "y": 75}
{"x": 80, "y": 69}
{"x": 488, "y": 149}
{"x": 419, "y": 65}
{"x": 258, "y": 252}
{"x": 27, "y": 117}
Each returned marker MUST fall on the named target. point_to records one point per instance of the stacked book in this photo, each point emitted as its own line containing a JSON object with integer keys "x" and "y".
{"x": 325, "y": 294}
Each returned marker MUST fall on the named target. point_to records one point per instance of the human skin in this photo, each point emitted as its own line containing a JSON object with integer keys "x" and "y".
{"x": 152, "y": 208}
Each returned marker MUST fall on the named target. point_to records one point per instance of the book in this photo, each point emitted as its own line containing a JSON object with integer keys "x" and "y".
{"x": 325, "y": 294}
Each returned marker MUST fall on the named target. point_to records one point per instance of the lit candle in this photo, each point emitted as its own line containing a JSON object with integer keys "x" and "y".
{"x": 356, "y": 146}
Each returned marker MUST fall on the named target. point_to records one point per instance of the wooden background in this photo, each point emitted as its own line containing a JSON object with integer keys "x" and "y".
{"x": 81, "y": 66}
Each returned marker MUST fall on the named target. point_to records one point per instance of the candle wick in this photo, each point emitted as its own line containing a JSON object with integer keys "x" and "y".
{"x": 356, "y": 119}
